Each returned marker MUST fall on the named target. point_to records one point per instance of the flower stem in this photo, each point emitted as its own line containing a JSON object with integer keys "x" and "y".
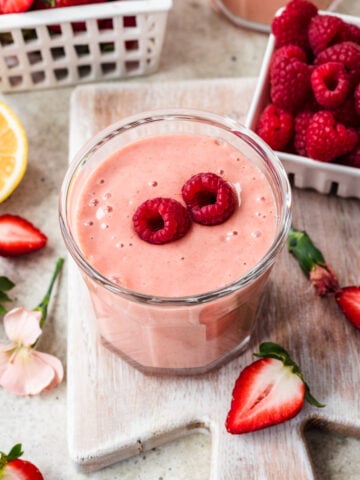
{"x": 43, "y": 305}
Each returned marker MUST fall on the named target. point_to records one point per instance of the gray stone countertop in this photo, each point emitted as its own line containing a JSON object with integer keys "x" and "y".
{"x": 199, "y": 44}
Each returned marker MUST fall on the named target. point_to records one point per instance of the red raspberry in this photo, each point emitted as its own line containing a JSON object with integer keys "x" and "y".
{"x": 209, "y": 198}
{"x": 350, "y": 33}
{"x": 357, "y": 99}
{"x": 352, "y": 159}
{"x": 324, "y": 30}
{"x": 275, "y": 127}
{"x": 346, "y": 113}
{"x": 289, "y": 83}
{"x": 330, "y": 84}
{"x": 290, "y": 51}
{"x": 347, "y": 53}
{"x": 291, "y": 26}
{"x": 161, "y": 220}
{"x": 326, "y": 139}
{"x": 301, "y": 123}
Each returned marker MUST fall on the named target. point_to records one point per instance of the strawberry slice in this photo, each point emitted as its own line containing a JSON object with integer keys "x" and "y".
{"x": 18, "y": 236}
{"x": 267, "y": 392}
{"x": 11, "y": 466}
{"x": 348, "y": 299}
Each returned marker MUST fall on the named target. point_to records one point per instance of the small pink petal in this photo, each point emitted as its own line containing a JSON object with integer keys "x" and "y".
{"x": 55, "y": 363}
{"x": 27, "y": 374}
{"x": 22, "y": 326}
{"x": 5, "y": 354}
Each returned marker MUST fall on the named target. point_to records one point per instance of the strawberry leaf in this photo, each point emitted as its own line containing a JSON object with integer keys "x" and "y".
{"x": 301, "y": 246}
{"x": 5, "y": 285}
{"x": 14, "y": 453}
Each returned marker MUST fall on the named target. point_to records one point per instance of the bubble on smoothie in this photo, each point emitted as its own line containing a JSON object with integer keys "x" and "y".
{"x": 231, "y": 235}
{"x": 119, "y": 245}
{"x": 88, "y": 223}
{"x": 94, "y": 202}
{"x": 102, "y": 211}
{"x": 261, "y": 199}
{"x": 104, "y": 226}
{"x": 101, "y": 181}
{"x": 107, "y": 196}
{"x": 256, "y": 234}
{"x": 221, "y": 171}
{"x": 219, "y": 141}
{"x": 153, "y": 183}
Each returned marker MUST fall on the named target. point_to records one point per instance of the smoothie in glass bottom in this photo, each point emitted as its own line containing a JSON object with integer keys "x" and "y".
{"x": 205, "y": 259}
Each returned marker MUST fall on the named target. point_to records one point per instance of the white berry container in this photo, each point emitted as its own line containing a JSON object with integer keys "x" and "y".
{"x": 305, "y": 172}
{"x": 118, "y": 39}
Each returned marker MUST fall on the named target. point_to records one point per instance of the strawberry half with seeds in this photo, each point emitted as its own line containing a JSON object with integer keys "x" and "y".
{"x": 269, "y": 391}
{"x": 348, "y": 299}
{"x": 12, "y": 467}
{"x": 18, "y": 236}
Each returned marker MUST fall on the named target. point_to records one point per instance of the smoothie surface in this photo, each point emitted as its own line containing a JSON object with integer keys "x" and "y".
{"x": 207, "y": 257}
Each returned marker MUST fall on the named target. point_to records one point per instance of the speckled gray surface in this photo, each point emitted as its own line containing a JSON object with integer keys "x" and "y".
{"x": 198, "y": 44}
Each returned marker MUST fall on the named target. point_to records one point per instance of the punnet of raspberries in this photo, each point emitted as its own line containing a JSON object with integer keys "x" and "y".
{"x": 314, "y": 75}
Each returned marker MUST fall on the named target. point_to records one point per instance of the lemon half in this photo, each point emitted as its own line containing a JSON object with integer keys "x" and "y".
{"x": 13, "y": 151}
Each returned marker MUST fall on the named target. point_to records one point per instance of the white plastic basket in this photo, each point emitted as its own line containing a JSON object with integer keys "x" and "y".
{"x": 47, "y": 48}
{"x": 304, "y": 172}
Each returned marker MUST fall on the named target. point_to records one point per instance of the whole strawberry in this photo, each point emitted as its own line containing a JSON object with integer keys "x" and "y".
{"x": 327, "y": 139}
{"x": 269, "y": 391}
{"x": 15, "y": 6}
{"x": 12, "y": 467}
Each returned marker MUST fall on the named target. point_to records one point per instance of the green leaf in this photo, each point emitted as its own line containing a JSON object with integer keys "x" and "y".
{"x": 6, "y": 284}
{"x": 4, "y": 297}
{"x": 15, "y": 452}
{"x": 303, "y": 249}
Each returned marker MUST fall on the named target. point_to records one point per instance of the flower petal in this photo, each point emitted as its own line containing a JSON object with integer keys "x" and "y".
{"x": 22, "y": 326}
{"x": 28, "y": 373}
{"x": 5, "y": 354}
{"x": 55, "y": 363}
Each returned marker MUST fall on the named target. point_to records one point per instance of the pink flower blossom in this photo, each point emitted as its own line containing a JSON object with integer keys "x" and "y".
{"x": 24, "y": 370}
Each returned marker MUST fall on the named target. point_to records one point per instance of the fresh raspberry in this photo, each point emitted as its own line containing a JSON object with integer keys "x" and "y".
{"x": 209, "y": 198}
{"x": 324, "y": 31}
{"x": 301, "y": 123}
{"x": 347, "y": 53}
{"x": 326, "y": 139}
{"x": 290, "y": 51}
{"x": 346, "y": 113}
{"x": 352, "y": 159}
{"x": 161, "y": 220}
{"x": 350, "y": 33}
{"x": 330, "y": 84}
{"x": 291, "y": 26}
{"x": 289, "y": 83}
{"x": 357, "y": 99}
{"x": 275, "y": 127}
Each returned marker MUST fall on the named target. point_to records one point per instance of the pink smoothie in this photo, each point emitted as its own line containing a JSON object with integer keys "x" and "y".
{"x": 207, "y": 258}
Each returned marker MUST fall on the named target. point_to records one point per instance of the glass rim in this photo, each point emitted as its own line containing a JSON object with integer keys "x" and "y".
{"x": 228, "y": 124}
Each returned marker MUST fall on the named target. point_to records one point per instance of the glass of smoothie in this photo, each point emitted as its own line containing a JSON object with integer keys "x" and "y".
{"x": 258, "y": 14}
{"x": 188, "y": 304}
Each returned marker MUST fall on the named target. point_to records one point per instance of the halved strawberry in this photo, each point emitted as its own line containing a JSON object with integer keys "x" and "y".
{"x": 12, "y": 467}
{"x": 348, "y": 299}
{"x": 18, "y": 236}
{"x": 267, "y": 392}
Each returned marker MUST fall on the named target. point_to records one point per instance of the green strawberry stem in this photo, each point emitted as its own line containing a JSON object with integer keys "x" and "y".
{"x": 312, "y": 263}
{"x": 5, "y": 285}
{"x": 273, "y": 350}
{"x": 43, "y": 305}
{"x": 14, "y": 453}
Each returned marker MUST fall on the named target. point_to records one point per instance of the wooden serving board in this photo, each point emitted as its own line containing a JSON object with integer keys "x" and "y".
{"x": 115, "y": 412}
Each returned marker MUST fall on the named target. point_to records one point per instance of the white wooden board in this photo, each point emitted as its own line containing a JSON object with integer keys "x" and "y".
{"x": 115, "y": 412}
